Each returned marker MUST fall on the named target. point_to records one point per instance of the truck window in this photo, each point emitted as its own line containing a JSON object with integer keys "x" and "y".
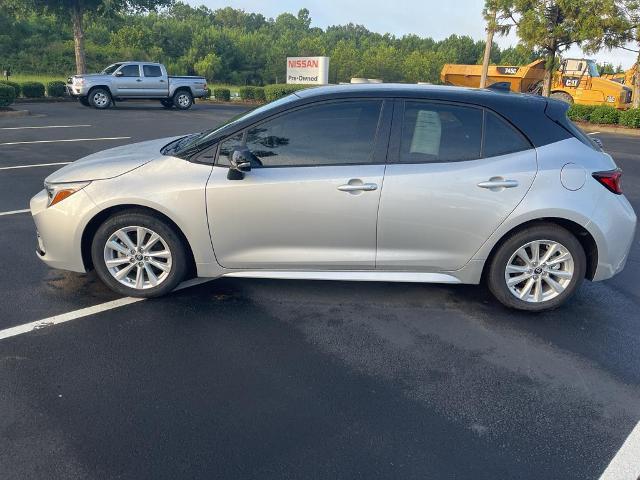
{"x": 130, "y": 71}
{"x": 593, "y": 69}
{"x": 152, "y": 71}
{"x": 111, "y": 68}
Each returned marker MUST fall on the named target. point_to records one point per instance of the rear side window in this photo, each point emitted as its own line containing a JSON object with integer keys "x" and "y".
{"x": 334, "y": 133}
{"x": 440, "y": 133}
{"x": 130, "y": 71}
{"x": 500, "y": 138}
{"x": 152, "y": 71}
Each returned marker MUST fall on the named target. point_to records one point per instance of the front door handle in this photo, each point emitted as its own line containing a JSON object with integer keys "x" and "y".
{"x": 362, "y": 187}
{"x": 497, "y": 184}
{"x": 138, "y": 80}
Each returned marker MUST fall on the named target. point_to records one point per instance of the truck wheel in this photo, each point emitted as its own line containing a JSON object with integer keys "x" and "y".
{"x": 183, "y": 100}
{"x": 100, "y": 98}
{"x": 84, "y": 101}
{"x": 563, "y": 97}
{"x": 167, "y": 103}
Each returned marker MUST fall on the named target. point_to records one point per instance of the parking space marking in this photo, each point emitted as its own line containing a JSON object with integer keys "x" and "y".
{"x": 13, "y": 212}
{"x": 44, "y": 126}
{"x": 67, "y": 140}
{"x": 595, "y": 133}
{"x": 34, "y": 165}
{"x": 626, "y": 464}
{"x": 85, "y": 312}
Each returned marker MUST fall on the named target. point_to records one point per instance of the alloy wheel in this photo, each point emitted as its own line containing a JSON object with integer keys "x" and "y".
{"x": 100, "y": 99}
{"x": 183, "y": 100}
{"x": 137, "y": 257}
{"x": 539, "y": 271}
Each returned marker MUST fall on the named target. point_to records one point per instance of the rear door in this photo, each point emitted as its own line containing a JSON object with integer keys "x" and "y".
{"x": 457, "y": 173}
{"x": 154, "y": 83}
{"x": 311, "y": 199}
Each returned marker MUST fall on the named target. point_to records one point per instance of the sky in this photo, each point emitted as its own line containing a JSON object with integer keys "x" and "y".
{"x": 436, "y": 19}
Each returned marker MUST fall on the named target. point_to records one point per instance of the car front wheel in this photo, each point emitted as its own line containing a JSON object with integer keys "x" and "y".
{"x": 139, "y": 255}
{"x": 537, "y": 268}
{"x": 100, "y": 98}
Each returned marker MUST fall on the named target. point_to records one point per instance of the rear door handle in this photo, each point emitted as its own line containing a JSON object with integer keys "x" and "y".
{"x": 362, "y": 187}
{"x": 498, "y": 183}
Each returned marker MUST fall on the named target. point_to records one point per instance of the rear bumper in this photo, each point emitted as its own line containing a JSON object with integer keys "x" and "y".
{"x": 613, "y": 225}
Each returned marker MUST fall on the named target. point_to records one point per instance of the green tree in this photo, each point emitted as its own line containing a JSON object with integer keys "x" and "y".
{"x": 77, "y": 10}
{"x": 554, "y": 25}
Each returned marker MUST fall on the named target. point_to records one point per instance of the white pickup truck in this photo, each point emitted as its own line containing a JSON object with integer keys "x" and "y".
{"x": 136, "y": 80}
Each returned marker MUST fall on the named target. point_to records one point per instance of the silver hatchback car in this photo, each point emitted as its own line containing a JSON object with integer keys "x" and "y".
{"x": 395, "y": 183}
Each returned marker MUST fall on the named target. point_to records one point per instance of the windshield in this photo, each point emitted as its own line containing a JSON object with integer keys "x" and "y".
{"x": 111, "y": 68}
{"x": 195, "y": 142}
{"x": 593, "y": 68}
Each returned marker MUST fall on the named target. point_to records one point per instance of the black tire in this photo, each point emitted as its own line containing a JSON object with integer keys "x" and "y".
{"x": 171, "y": 238}
{"x": 543, "y": 231}
{"x": 563, "y": 97}
{"x": 100, "y": 98}
{"x": 84, "y": 101}
{"x": 167, "y": 103}
{"x": 183, "y": 100}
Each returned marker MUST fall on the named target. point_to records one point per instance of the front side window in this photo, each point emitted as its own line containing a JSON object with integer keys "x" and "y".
{"x": 333, "y": 133}
{"x": 111, "y": 68}
{"x": 130, "y": 71}
{"x": 152, "y": 71}
{"x": 434, "y": 132}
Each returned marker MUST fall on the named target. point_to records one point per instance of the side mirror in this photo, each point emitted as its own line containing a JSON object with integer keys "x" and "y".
{"x": 240, "y": 164}
{"x": 119, "y": 73}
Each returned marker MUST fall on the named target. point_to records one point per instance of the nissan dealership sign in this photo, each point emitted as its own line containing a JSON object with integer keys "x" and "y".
{"x": 308, "y": 70}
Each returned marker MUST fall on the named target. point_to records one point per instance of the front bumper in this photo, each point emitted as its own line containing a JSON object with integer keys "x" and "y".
{"x": 77, "y": 90}
{"x": 59, "y": 229}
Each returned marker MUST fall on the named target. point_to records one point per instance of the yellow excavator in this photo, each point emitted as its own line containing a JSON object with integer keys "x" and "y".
{"x": 576, "y": 81}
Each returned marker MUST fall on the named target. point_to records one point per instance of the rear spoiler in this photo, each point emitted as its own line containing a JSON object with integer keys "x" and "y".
{"x": 556, "y": 110}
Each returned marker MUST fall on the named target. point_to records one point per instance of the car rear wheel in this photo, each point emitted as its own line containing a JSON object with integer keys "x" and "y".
{"x": 183, "y": 100}
{"x": 537, "y": 268}
{"x": 100, "y": 98}
{"x": 139, "y": 255}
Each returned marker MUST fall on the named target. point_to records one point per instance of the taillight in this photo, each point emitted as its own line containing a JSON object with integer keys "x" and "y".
{"x": 611, "y": 179}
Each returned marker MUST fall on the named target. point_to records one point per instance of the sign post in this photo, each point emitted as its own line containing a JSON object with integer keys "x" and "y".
{"x": 308, "y": 70}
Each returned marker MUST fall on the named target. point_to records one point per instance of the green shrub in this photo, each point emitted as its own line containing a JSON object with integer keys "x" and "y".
{"x": 33, "y": 89}
{"x": 630, "y": 118}
{"x": 604, "y": 114}
{"x": 279, "y": 90}
{"x": 258, "y": 94}
{"x": 222, "y": 94}
{"x": 7, "y": 95}
{"x": 251, "y": 93}
{"x": 56, "y": 88}
{"x": 15, "y": 85}
{"x": 580, "y": 112}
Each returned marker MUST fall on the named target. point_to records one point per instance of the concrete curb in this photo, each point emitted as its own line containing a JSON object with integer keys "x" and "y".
{"x": 45, "y": 100}
{"x": 14, "y": 113}
{"x": 592, "y": 127}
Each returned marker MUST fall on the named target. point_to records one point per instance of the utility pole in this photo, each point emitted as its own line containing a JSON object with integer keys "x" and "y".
{"x": 487, "y": 50}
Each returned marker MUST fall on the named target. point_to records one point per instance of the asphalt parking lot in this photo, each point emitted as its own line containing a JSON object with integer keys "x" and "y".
{"x": 274, "y": 379}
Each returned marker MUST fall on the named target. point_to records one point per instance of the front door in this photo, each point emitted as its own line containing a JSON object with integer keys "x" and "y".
{"x": 455, "y": 174}
{"x": 128, "y": 81}
{"x": 311, "y": 199}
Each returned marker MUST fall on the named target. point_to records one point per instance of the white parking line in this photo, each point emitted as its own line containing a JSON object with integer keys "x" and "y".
{"x": 626, "y": 464}
{"x": 68, "y": 140}
{"x": 85, "y": 312}
{"x": 13, "y": 212}
{"x": 595, "y": 133}
{"x": 45, "y": 126}
{"x": 34, "y": 165}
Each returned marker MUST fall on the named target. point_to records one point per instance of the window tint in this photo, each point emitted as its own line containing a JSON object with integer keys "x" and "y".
{"x": 328, "y": 134}
{"x": 152, "y": 71}
{"x": 440, "y": 133}
{"x": 228, "y": 146}
{"x": 501, "y": 138}
{"x": 130, "y": 71}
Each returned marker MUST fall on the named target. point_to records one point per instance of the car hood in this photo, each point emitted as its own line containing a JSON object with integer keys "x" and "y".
{"x": 110, "y": 163}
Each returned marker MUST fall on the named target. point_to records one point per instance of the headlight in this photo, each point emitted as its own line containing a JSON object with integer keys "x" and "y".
{"x": 78, "y": 81}
{"x": 59, "y": 191}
